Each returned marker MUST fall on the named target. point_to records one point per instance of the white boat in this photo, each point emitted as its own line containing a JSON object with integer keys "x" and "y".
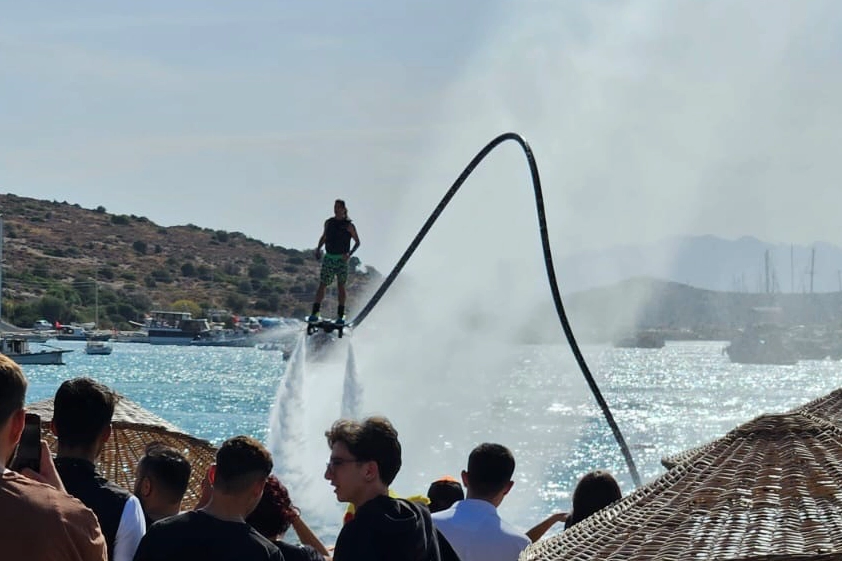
{"x": 94, "y": 347}
{"x": 17, "y": 348}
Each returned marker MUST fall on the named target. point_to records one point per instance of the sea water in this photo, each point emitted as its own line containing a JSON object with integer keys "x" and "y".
{"x": 664, "y": 401}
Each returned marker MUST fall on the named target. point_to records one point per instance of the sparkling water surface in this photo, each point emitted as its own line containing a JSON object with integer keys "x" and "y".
{"x": 538, "y": 404}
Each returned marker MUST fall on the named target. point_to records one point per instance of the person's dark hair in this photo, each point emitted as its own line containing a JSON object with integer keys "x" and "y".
{"x": 344, "y": 207}
{"x": 12, "y": 388}
{"x": 167, "y": 467}
{"x": 490, "y": 468}
{"x": 595, "y": 491}
{"x": 372, "y": 439}
{"x": 81, "y": 410}
{"x": 275, "y": 512}
{"x": 443, "y": 493}
{"x": 240, "y": 462}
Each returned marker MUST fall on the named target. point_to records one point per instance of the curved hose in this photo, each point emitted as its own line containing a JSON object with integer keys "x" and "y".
{"x": 548, "y": 261}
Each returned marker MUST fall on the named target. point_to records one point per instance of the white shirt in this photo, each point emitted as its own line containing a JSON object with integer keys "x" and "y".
{"x": 131, "y": 529}
{"x": 477, "y": 533}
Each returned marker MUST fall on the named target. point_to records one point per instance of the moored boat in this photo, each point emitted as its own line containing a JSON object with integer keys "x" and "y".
{"x": 17, "y": 348}
{"x": 96, "y": 347}
{"x": 174, "y": 328}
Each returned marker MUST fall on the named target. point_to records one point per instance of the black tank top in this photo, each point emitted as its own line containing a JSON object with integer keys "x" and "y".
{"x": 337, "y": 236}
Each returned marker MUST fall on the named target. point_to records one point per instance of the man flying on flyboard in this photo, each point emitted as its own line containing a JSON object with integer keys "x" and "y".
{"x": 336, "y": 237}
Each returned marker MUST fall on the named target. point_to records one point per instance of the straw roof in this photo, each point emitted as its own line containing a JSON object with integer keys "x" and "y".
{"x": 772, "y": 486}
{"x": 809, "y": 557}
{"x": 132, "y": 429}
{"x": 828, "y": 407}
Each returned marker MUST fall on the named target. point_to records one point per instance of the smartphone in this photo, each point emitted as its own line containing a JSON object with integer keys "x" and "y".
{"x": 28, "y": 454}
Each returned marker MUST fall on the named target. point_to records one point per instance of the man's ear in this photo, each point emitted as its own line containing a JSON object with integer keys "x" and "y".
{"x": 465, "y": 478}
{"x": 257, "y": 490}
{"x": 372, "y": 472}
{"x": 508, "y": 488}
{"x": 16, "y": 424}
{"x": 145, "y": 487}
{"x": 106, "y": 433}
{"x": 53, "y": 428}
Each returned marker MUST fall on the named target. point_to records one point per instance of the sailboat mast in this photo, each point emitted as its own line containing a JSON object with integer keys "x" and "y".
{"x": 767, "y": 271}
{"x": 1, "y": 268}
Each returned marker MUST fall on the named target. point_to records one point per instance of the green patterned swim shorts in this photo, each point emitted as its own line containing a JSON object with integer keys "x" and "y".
{"x": 334, "y": 265}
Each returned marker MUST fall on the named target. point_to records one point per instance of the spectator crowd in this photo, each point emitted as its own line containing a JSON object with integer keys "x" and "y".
{"x": 68, "y": 511}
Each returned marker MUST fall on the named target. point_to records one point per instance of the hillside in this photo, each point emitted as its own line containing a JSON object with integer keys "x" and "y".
{"x": 710, "y": 262}
{"x": 59, "y": 260}
{"x": 682, "y": 311}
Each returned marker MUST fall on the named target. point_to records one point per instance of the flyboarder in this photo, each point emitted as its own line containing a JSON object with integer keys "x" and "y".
{"x": 336, "y": 237}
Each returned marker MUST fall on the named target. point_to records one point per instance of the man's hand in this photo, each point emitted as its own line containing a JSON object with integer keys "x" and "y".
{"x": 48, "y": 473}
{"x": 318, "y": 254}
{"x": 346, "y": 256}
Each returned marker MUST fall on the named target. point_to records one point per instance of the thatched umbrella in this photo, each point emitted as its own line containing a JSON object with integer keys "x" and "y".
{"x": 132, "y": 429}
{"x": 828, "y": 407}
{"x": 772, "y": 486}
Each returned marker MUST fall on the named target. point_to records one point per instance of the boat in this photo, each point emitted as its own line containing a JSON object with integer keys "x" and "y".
{"x": 274, "y": 346}
{"x": 222, "y": 338}
{"x": 17, "y": 348}
{"x": 75, "y": 332}
{"x": 761, "y": 346}
{"x": 642, "y": 340}
{"x": 174, "y": 328}
{"x": 97, "y": 347}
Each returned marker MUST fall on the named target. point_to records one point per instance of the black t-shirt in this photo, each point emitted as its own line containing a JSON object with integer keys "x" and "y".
{"x": 298, "y": 552}
{"x": 200, "y": 536}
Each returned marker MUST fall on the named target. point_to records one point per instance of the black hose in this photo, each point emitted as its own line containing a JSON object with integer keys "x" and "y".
{"x": 548, "y": 261}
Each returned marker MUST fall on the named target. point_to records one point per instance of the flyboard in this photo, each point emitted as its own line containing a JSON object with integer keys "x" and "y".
{"x": 326, "y": 325}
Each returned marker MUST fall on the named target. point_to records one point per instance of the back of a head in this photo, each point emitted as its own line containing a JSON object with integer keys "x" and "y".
{"x": 443, "y": 493}
{"x": 81, "y": 410}
{"x": 12, "y": 388}
{"x": 168, "y": 468}
{"x": 240, "y": 462}
{"x": 274, "y": 513}
{"x": 595, "y": 491}
{"x": 372, "y": 439}
{"x": 490, "y": 469}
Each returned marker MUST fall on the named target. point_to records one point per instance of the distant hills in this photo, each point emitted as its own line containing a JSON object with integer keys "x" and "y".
{"x": 67, "y": 263}
{"x": 710, "y": 263}
{"x": 61, "y": 260}
{"x": 684, "y": 312}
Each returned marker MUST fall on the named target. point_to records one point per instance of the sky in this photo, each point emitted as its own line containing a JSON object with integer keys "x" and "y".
{"x": 648, "y": 119}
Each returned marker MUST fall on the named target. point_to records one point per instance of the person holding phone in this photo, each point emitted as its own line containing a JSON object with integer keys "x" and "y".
{"x": 40, "y": 520}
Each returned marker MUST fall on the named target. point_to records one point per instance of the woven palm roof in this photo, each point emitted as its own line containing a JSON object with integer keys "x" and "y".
{"x": 132, "y": 429}
{"x": 828, "y": 407}
{"x": 772, "y": 486}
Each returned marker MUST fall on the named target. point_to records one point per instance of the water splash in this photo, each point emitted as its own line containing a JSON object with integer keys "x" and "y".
{"x": 352, "y": 390}
{"x": 286, "y": 422}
